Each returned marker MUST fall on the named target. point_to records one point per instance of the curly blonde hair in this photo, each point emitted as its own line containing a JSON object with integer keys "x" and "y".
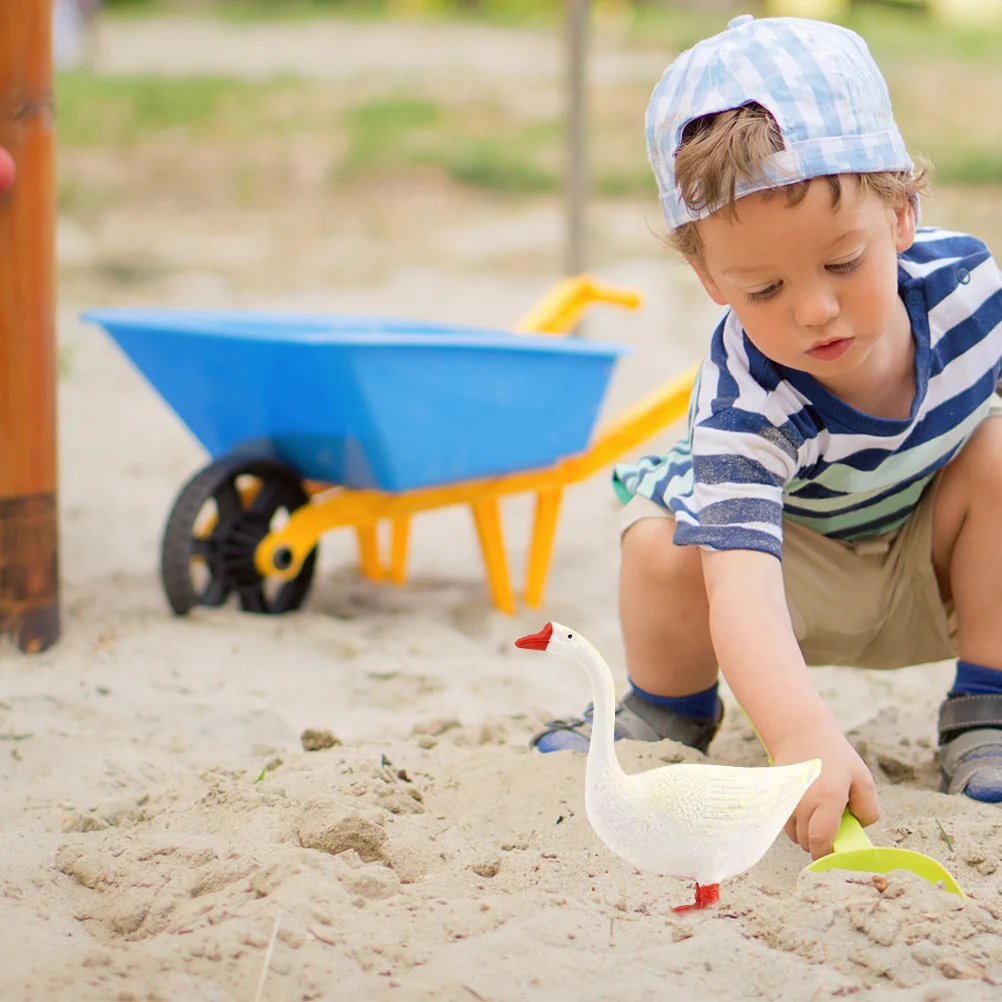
{"x": 719, "y": 150}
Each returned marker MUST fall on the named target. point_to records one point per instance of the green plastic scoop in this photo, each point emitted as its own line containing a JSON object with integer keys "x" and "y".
{"x": 854, "y": 851}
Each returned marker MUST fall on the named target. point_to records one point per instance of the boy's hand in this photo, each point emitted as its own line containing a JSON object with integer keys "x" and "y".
{"x": 844, "y": 779}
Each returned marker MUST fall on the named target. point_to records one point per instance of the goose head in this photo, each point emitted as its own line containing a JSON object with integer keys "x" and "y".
{"x": 556, "y": 639}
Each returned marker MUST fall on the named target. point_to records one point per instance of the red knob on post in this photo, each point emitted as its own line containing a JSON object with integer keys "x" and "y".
{"x": 7, "y": 171}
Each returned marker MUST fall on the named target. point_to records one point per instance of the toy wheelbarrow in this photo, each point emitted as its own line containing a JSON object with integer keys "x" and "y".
{"x": 315, "y": 422}
{"x": 854, "y": 851}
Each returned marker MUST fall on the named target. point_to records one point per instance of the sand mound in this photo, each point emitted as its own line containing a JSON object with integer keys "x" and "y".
{"x": 469, "y": 869}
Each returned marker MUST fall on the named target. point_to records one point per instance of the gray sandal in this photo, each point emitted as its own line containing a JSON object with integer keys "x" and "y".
{"x": 970, "y": 746}
{"x": 636, "y": 719}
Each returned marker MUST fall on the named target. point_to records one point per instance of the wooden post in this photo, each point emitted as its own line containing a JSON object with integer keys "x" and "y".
{"x": 29, "y": 590}
{"x": 576, "y": 257}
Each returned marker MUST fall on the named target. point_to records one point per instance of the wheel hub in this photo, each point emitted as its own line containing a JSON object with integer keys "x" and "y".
{"x": 237, "y": 546}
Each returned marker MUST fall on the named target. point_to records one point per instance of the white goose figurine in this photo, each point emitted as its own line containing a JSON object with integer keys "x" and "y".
{"x": 700, "y": 822}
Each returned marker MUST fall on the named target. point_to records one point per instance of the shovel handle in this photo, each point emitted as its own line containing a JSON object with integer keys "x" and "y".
{"x": 850, "y": 834}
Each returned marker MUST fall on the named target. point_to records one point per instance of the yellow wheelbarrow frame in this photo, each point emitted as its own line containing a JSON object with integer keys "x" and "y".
{"x": 281, "y": 553}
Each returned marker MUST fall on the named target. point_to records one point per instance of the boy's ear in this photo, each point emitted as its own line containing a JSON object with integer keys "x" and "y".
{"x": 711, "y": 287}
{"x": 904, "y": 225}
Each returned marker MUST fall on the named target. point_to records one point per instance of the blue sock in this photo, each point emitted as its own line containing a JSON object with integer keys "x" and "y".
{"x": 975, "y": 680}
{"x": 703, "y": 705}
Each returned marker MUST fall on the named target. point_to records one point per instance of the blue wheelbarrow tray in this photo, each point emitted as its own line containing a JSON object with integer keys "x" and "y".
{"x": 368, "y": 402}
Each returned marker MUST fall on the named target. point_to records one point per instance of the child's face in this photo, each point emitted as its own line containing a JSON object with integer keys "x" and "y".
{"x": 814, "y": 287}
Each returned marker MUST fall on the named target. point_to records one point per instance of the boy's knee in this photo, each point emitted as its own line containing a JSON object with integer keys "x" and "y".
{"x": 980, "y": 461}
{"x": 649, "y": 552}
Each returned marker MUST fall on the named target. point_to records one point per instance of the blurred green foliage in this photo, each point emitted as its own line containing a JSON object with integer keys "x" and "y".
{"x": 387, "y": 131}
{"x": 942, "y": 82}
{"x": 891, "y": 27}
{"x": 515, "y": 163}
{"x": 419, "y": 7}
{"x": 120, "y": 111}
{"x": 522, "y": 11}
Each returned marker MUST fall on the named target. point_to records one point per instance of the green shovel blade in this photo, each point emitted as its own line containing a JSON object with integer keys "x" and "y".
{"x": 854, "y": 851}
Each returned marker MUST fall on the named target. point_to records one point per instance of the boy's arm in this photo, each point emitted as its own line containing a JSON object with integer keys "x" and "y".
{"x": 761, "y": 660}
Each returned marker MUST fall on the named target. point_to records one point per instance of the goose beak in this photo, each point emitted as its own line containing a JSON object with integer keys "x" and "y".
{"x": 536, "y": 641}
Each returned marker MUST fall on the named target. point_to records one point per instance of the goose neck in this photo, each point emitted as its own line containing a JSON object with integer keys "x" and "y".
{"x": 602, "y": 761}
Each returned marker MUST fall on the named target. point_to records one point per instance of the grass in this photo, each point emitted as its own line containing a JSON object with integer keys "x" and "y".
{"x": 497, "y": 166}
{"x": 910, "y": 35}
{"x": 129, "y": 270}
{"x": 943, "y": 835}
{"x": 514, "y": 12}
{"x": 942, "y": 83}
{"x": 389, "y": 131}
{"x": 892, "y": 28}
{"x": 892, "y": 31}
{"x": 237, "y": 10}
{"x": 980, "y": 168}
{"x": 473, "y": 143}
{"x": 122, "y": 111}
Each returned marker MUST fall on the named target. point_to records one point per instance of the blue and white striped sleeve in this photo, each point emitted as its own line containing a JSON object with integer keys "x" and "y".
{"x": 744, "y": 449}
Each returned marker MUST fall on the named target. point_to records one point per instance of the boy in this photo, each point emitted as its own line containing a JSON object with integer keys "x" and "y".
{"x": 838, "y": 497}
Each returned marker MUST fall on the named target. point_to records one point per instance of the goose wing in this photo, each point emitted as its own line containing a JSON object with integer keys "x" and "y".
{"x": 726, "y": 799}
{"x": 713, "y": 822}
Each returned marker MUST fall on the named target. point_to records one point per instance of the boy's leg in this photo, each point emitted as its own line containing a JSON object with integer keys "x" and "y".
{"x": 666, "y": 631}
{"x": 663, "y": 612}
{"x": 967, "y": 556}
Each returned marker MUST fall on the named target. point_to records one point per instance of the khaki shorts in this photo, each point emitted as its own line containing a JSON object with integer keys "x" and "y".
{"x": 873, "y": 603}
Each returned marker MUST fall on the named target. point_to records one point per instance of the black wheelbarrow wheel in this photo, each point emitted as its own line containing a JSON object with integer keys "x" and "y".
{"x": 214, "y": 528}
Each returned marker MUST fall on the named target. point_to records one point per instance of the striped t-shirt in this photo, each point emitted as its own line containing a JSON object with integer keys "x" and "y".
{"x": 766, "y": 442}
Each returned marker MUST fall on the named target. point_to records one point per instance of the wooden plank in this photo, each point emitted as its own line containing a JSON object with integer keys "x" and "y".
{"x": 29, "y": 591}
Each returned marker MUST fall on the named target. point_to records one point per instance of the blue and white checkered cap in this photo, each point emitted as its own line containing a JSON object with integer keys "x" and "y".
{"x": 818, "y": 81}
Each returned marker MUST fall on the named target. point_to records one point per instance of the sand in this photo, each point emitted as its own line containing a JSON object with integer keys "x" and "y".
{"x": 166, "y": 835}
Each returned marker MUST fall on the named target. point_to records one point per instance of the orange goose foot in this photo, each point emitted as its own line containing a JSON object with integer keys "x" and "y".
{"x": 708, "y": 894}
